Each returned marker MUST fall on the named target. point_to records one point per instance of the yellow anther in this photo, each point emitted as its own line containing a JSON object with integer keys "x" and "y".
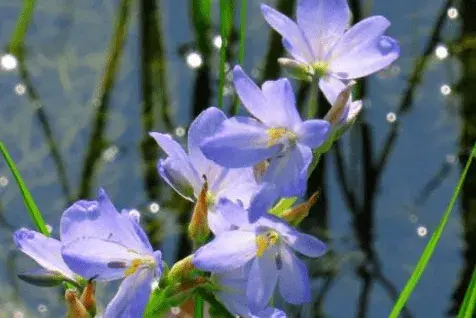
{"x": 266, "y": 240}
{"x": 137, "y": 263}
{"x": 276, "y": 134}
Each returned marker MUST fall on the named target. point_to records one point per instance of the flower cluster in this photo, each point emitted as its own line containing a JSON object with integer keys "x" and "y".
{"x": 235, "y": 170}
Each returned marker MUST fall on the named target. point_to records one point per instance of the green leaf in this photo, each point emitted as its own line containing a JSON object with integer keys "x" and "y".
{"x": 430, "y": 247}
{"x": 283, "y": 205}
{"x": 35, "y": 213}
{"x": 467, "y": 308}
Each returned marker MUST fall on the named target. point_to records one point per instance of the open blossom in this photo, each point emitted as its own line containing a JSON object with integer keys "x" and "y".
{"x": 184, "y": 172}
{"x": 100, "y": 243}
{"x": 321, "y": 42}
{"x": 267, "y": 246}
{"x": 46, "y": 251}
{"x": 278, "y": 134}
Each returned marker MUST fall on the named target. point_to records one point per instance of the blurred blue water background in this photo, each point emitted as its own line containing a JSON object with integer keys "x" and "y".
{"x": 49, "y": 107}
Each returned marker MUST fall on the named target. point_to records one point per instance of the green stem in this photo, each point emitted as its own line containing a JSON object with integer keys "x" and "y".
{"x": 224, "y": 43}
{"x": 467, "y": 308}
{"x": 198, "y": 311}
{"x": 16, "y": 42}
{"x": 313, "y": 104}
{"x": 430, "y": 247}
{"x": 35, "y": 213}
{"x": 241, "y": 56}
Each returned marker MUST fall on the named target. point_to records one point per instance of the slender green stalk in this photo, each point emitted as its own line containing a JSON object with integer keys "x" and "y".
{"x": 16, "y": 42}
{"x": 243, "y": 10}
{"x": 33, "y": 210}
{"x": 430, "y": 247}
{"x": 198, "y": 311}
{"x": 241, "y": 56}
{"x": 224, "y": 22}
{"x": 467, "y": 308}
{"x": 313, "y": 104}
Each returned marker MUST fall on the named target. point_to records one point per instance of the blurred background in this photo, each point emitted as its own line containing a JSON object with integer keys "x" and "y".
{"x": 83, "y": 82}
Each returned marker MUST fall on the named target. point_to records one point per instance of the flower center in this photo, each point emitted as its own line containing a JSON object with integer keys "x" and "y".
{"x": 277, "y": 134}
{"x": 265, "y": 241}
{"x": 320, "y": 68}
{"x": 137, "y": 263}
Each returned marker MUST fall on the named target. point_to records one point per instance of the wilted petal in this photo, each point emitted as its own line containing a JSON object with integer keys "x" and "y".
{"x": 99, "y": 219}
{"x": 363, "y": 49}
{"x": 354, "y": 110}
{"x": 241, "y": 142}
{"x": 132, "y": 297}
{"x": 226, "y": 252}
{"x": 98, "y": 258}
{"x": 313, "y": 133}
{"x": 293, "y": 278}
{"x": 206, "y": 124}
{"x": 323, "y": 23}
{"x": 288, "y": 172}
{"x": 290, "y": 31}
{"x": 181, "y": 160}
{"x": 282, "y": 111}
{"x": 262, "y": 281}
{"x": 44, "y": 250}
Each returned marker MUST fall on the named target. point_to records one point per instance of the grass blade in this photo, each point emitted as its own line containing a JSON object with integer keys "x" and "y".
{"x": 226, "y": 23}
{"x": 35, "y": 213}
{"x": 467, "y": 308}
{"x": 430, "y": 247}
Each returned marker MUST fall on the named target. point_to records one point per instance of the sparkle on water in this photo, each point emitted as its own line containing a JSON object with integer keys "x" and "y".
{"x": 194, "y": 60}
{"x": 3, "y": 181}
{"x": 453, "y": 13}
{"x": 20, "y": 89}
{"x": 422, "y": 231}
{"x": 8, "y": 62}
{"x": 154, "y": 207}
{"x": 450, "y": 158}
{"x": 217, "y": 42}
{"x": 391, "y": 117}
{"x": 18, "y": 314}
{"x": 49, "y": 228}
{"x": 110, "y": 153}
{"x": 180, "y": 131}
{"x": 413, "y": 218}
{"x": 42, "y": 308}
{"x": 135, "y": 214}
{"x": 441, "y": 52}
{"x": 445, "y": 90}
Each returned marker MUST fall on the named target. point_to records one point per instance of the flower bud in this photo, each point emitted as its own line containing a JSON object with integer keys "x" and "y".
{"x": 75, "y": 308}
{"x": 198, "y": 228}
{"x": 181, "y": 270}
{"x": 295, "y": 69}
{"x": 295, "y": 215}
{"x": 338, "y": 111}
{"x": 87, "y": 299}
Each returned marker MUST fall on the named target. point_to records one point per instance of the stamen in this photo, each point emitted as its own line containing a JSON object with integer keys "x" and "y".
{"x": 138, "y": 263}
{"x": 320, "y": 68}
{"x": 266, "y": 240}
{"x": 276, "y": 134}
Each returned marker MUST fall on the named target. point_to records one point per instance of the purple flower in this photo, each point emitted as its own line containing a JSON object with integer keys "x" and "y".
{"x": 231, "y": 293}
{"x": 184, "y": 172}
{"x": 100, "y": 243}
{"x": 46, "y": 251}
{"x": 267, "y": 246}
{"x": 320, "y": 41}
{"x": 278, "y": 133}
